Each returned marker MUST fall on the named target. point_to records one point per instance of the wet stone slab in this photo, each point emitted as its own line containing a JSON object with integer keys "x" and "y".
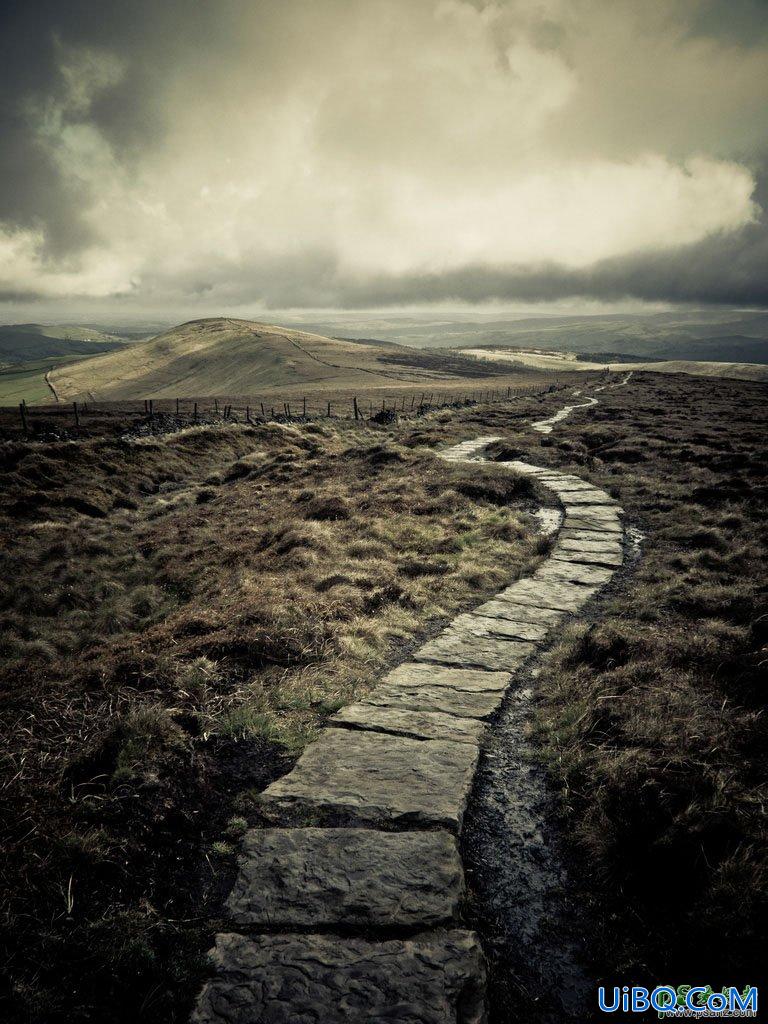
{"x": 300, "y": 878}
{"x": 437, "y": 978}
{"x": 426, "y": 725}
{"x": 355, "y": 777}
{"x": 460, "y": 647}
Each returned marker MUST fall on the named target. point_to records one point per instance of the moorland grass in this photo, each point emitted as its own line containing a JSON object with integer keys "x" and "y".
{"x": 179, "y": 615}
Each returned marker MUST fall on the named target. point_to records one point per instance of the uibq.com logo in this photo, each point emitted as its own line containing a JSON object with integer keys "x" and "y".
{"x": 699, "y": 1001}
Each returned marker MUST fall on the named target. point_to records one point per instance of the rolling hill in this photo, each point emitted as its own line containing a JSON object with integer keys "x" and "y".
{"x": 22, "y": 343}
{"x": 239, "y": 357}
{"x": 551, "y": 360}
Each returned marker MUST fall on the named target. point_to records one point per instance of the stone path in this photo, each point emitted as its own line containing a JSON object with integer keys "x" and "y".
{"x": 545, "y": 426}
{"x": 349, "y": 907}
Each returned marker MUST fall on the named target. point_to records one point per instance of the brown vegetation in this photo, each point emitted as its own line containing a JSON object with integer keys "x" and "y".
{"x": 179, "y": 614}
{"x": 183, "y": 611}
{"x": 652, "y": 712}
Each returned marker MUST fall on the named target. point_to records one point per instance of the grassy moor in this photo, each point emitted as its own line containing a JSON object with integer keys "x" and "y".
{"x": 182, "y": 610}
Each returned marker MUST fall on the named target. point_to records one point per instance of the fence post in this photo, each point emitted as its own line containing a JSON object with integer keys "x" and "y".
{"x": 195, "y": 412}
{"x": 23, "y": 412}
{"x": 354, "y": 405}
{"x": 329, "y": 410}
{"x": 177, "y": 408}
{"x": 216, "y": 405}
{"x": 304, "y": 409}
{"x": 248, "y": 414}
{"x": 262, "y": 410}
{"x": 151, "y": 409}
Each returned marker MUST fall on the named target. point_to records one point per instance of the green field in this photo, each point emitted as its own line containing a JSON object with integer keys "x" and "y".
{"x": 27, "y": 380}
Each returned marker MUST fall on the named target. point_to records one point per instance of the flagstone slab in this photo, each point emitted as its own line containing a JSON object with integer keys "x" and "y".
{"x": 299, "y": 878}
{"x": 602, "y": 513}
{"x": 587, "y": 540}
{"x": 436, "y": 978}
{"x": 427, "y": 725}
{"x": 371, "y": 778}
{"x": 610, "y": 552}
{"x": 475, "y": 680}
{"x": 548, "y": 593}
{"x": 577, "y": 521}
{"x": 606, "y": 559}
{"x": 435, "y": 698}
{"x": 457, "y": 647}
{"x": 557, "y": 569}
{"x": 483, "y": 625}
{"x": 503, "y": 608}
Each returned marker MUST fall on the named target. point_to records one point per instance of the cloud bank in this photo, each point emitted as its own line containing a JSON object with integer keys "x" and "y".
{"x": 346, "y": 153}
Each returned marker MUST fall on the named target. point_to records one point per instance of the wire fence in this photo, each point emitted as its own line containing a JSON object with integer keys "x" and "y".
{"x": 190, "y": 411}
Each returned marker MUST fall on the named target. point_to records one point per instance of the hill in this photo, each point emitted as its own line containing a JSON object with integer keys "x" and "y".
{"x": 223, "y": 356}
{"x": 22, "y": 343}
{"x": 551, "y": 360}
{"x": 728, "y": 335}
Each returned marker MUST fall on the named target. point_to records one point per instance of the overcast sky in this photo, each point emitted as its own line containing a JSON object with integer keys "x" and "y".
{"x": 164, "y": 155}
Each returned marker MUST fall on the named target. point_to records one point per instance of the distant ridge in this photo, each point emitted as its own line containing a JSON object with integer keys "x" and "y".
{"x": 226, "y": 356}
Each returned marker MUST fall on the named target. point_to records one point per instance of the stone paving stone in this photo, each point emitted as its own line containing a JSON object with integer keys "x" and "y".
{"x": 426, "y": 725}
{"x": 570, "y": 485}
{"x": 474, "y": 680}
{"x": 502, "y": 608}
{"x": 298, "y": 878}
{"x": 601, "y": 513}
{"x": 590, "y": 552}
{"x": 577, "y": 521}
{"x": 589, "y": 540}
{"x": 436, "y": 698}
{"x": 557, "y": 569}
{"x": 371, "y": 778}
{"x": 605, "y": 559}
{"x": 548, "y": 593}
{"x": 525, "y": 467}
{"x": 484, "y": 625}
{"x": 455, "y": 647}
{"x": 591, "y": 500}
{"x": 437, "y": 978}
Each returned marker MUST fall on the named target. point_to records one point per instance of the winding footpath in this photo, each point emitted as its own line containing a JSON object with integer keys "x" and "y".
{"x": 350, "y": 906}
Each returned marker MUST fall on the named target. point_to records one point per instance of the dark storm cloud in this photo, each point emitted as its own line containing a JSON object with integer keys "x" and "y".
{"x": 724, "y": 271}
{"x": 33, "y": 190}
{"x": 382, "y": 152}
